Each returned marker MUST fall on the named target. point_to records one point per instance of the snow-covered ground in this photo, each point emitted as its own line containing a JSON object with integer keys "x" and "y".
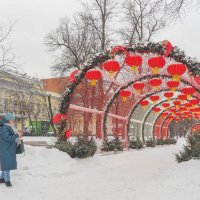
{"x": 132, "y": 175}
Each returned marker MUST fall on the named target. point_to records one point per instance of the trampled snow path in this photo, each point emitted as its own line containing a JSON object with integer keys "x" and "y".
{"x": 133, "y": 175}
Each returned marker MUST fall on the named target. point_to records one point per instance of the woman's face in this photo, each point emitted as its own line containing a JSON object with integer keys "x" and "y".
{"x": 11, "y": 122}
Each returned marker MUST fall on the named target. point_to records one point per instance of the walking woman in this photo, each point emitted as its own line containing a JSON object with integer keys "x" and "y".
{"x": 9, "y": 136}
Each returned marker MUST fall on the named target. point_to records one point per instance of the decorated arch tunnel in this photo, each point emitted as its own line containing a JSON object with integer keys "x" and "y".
{"x": 119, "y": 92}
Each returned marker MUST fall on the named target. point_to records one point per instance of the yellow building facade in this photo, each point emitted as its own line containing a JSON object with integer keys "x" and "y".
{"x": 26, "y": 98}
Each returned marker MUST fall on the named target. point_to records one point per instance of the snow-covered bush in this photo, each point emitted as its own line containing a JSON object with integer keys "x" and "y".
{"x": 160, "y": 142}
{"x": 81, "y": 148}
{"x": 136, "y": 144}
{"x": 190, "y": 151}
{"x": 112, "y": 145}
{"x": 150, "y": 143}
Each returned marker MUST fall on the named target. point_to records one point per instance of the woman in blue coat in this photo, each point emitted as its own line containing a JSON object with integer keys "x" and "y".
{"x": 8, "y": 139}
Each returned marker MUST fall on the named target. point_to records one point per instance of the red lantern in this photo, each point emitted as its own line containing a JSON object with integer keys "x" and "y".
{"x": 111, "y": 66}
{"x": 134, "y": 61}
{"x": 93, "y": 75}
{"x": 198, "y": 110}
{"x": 166, "y": 105}
{"x": 182, "y": 97}
{"x": 125, "y": 94}
{"x": 171, "y": 117}
{"x": 190, "y": 116}
{"x": 155, "y": 82}
{"x": 178, "y": 114}
{"x": 193, "y": 110}
{"x": 173, "y": 110}
{"x": 138, "y": 86}
{"x": 67, "y": 134}
{"x": 156, "y": 109}
{"x": 189, "y": 91}
{"x": 57, "y": 118}
{"x": 144, "y": 103}
{"x": 182, "y": 108}
{"x": 187, "y": 113}
{"x": 165, "y": 114}
{"x": 194, "y": 102}
{"x": 196, "y": 117}
{"x": 177, "y": 103}
{"x": 154, "y": 98}
{"x": 168, "y": 95}
{"x": 72, "y": 76}
{"x": 156, "y": 63}
{"x": 188, "y": 105}
{"x": 173, "y": 85}
{"x": 176, "y": 119}
{"x": 176, "y": 70}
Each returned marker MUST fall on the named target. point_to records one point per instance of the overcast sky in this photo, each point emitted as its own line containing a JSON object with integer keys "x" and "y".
{"x": 35, "y": 18}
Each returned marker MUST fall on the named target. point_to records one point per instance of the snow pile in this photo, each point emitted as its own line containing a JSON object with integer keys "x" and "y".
{"x": 181, "y": 142}
{"x": 49, "y": 174}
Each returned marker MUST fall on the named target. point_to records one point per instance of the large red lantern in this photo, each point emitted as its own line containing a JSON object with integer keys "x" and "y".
{"x": 156, "y": 109}
{"x": 125, "y": 94}
{"x": 111, "y": 66}
{"x": 189, "y": 91}
{"x": 144, "y": 103}
{"x": 154, "y": 98}
{"x": 138, "y": 86}
{"x": 166, "y": 105}
{"x": 182, "y": 97}
{"x": 168, "y": 95}
{"x": 173, "y": 85}
{"x": 176, "y": 70}
{"x": 93, "y": 75}
{"x": 155, "y": 82}
{"x": 177, "y": 103}
{"x": 156, "y": 63}
{"x": 133, "y": 61}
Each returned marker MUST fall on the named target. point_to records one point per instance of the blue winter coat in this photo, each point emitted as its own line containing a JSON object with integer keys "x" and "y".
{"x": 7, "y": 148}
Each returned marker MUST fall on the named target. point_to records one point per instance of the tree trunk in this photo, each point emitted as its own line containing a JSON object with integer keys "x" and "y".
{"x": 51, "y": 115}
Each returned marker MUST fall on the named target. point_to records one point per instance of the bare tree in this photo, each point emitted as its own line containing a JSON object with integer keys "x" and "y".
{"x": 176, "y": 8}
{"x": 71, "y": 44}
{"x": 7, "y": 59}
{"x": 143, "y": 19}
{"x": 98, "y": 15}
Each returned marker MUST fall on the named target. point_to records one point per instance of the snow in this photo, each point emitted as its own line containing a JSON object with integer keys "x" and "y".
{"x": 151, "y": 173}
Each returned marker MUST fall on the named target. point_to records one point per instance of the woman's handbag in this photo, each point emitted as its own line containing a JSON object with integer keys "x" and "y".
{"x": 20, "y": 147}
